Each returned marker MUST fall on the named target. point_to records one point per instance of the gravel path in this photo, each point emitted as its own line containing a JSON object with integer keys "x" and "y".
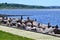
{"x": 28, "y": 34}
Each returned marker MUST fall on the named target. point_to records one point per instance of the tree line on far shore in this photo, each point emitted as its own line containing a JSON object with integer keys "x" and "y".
{"x": 22, "y": 6}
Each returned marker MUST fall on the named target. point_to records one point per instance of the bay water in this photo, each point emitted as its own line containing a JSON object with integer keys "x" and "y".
{"x": 42, "y": 15}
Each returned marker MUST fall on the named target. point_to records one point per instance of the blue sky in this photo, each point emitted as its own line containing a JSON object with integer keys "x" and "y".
{"x": 34, "y": 2}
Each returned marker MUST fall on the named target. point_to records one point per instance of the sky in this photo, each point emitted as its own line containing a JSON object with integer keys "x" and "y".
{"x": 34, "y": 2}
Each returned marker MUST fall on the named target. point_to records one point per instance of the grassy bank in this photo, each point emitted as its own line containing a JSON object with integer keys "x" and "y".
{"x": 8, "y": 36}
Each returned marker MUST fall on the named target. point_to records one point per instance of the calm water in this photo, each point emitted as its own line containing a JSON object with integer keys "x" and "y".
{"x": 42, "y": 16}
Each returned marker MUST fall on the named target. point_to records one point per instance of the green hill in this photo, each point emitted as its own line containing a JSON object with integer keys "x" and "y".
{"x": 22, "y": 6}
{"x": 18, "y": 6}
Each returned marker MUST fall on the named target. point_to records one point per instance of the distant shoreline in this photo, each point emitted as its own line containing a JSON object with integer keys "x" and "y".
{"x": 23, "y": 6}
{"x": 34, "y": 9}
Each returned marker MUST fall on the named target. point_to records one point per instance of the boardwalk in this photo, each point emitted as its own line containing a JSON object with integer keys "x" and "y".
{"x": 28, "y": 34}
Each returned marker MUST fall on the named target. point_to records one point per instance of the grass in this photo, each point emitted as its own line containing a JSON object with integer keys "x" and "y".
{"x": 8, "y": 36}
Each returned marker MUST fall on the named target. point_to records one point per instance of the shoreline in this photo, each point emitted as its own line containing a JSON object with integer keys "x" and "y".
{"x": 28, "y": 9}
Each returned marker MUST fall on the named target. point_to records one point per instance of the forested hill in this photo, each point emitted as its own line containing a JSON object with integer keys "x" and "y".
{"x": 22, "y": 6}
